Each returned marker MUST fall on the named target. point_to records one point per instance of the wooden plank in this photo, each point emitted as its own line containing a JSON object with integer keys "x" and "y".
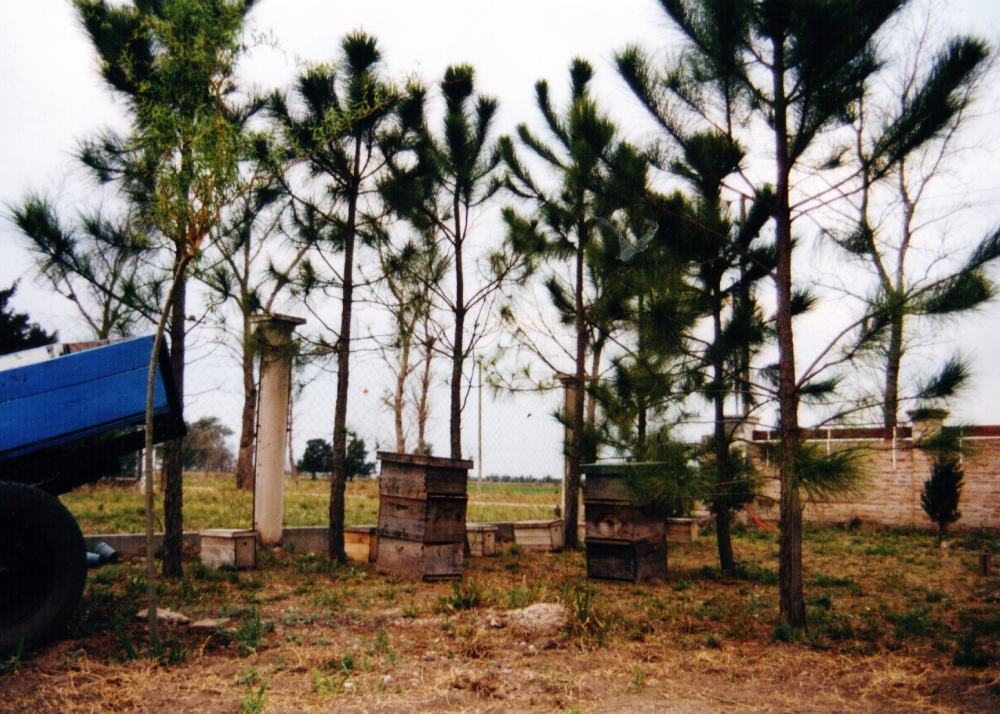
{"x": 420, "y": 561}
{"x": 631, "y": 562}
{"x": 609, "y": 521}
{"x": 358, "y": 543}
{"x": 432, "y": 520}
{"x": 424, "y": 460}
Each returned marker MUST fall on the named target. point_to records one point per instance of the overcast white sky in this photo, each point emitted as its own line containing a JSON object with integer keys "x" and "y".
{"x": 51, "y": 98}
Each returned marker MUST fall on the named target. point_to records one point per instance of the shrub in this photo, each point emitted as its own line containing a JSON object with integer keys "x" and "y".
{"x": 942, "y": 492}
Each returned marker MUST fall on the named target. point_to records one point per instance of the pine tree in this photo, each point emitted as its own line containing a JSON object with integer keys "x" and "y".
{"x": 340, "y": 132}
{"x": 900, "y": 155}
{"x": 566, "y": 229}
{"x": 442, "y": 195}
{"x": 800, "y": 65}
{"x": 17, "y": 332}
{"x": 941, "y": 493}
{"x": 173, "y": 63}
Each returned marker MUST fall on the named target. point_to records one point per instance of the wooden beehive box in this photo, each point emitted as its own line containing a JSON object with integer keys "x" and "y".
{"x": 418, "y": 476}
{"x": 482, "y": 539}
{"x": 625, "y": 539}
{"x": 361, "y": 543}
{"x": 224, "y": 546}
{"x": 421, "y": 522}
{"x": 420, "y": 561}
{"x": 612, "y": 521}
{"x": 633, "y": 561}
{"x": 539, "y": 536}
{"x": 682, "y": 530}
{"x": 436, "y": 519}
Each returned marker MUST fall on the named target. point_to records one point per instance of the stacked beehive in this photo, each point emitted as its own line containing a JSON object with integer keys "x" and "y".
{"x": 625, "y": 540}
{"x": 421, "y": 516}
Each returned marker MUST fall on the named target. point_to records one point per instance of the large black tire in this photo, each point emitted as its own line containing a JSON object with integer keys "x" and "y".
{"x": 43, "y": 566}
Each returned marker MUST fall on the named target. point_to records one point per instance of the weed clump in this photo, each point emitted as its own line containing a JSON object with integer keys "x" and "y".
{"x": 249, "y": 636}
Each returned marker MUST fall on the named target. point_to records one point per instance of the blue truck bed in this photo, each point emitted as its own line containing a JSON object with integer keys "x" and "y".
{"x": 65, "y": 421}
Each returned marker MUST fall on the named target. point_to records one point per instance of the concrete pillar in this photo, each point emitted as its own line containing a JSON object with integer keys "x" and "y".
{"x": 272, "y": 423}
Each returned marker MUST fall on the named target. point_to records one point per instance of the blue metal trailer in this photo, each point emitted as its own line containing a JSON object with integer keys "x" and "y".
{"x": 65, "y": 422}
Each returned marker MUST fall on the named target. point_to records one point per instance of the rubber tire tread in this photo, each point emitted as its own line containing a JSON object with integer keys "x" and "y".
{"x": 23, "y": 504}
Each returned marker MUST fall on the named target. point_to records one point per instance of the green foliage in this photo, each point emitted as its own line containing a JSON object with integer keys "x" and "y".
{"x": 16, "y": 331}
{"x": 204, "y": 447}
{"x": 942, "y": 492}
{"x": 100, "y": 264}
{"x": 913, "y": 622}
{"x": 969, "y": 654}
{"x": 784, "y": 632}
{"x": 835, "y": 581}
{"x": 357, "y": 452}
{"x": 667, "y": 476}
{"x": 253, "y": 701}
{"x": 317, "y": 458}
{"x": 825, "y": 476}
{"x": 464, "y": 596}
{"x": 249, "y": 636}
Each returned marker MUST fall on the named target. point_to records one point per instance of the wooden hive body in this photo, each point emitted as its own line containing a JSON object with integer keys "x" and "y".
{"x": 625, "y": 540}
{"x": 421, "y": 524}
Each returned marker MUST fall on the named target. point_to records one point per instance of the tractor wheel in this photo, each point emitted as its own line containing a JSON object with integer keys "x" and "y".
{"x": 43, "y": 566}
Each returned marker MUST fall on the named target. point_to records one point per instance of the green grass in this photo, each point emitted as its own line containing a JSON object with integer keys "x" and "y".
{"x": 213, "y": 501}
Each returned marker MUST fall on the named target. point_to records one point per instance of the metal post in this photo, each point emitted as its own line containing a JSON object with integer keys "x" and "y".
{"x": 272, "y": 430}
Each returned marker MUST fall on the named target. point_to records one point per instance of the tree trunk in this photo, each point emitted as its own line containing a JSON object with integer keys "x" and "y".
{"x": 723, "y": 470}
{"x": 791, "y": 598}
{"x": 173, "y": 467}
{"x": 572, "y": 485}
{"x": 398, "y": 399}
{"x": 594, "y": 371}
{"x": 458, "y": 343}
{"x": 894, "y": 355}
{"x": 425, "y": 388}
{"x": 248, "y": 428}
{"x": 338, "y": 477}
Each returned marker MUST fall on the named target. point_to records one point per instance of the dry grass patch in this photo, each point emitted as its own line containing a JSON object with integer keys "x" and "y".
{"x": 886, "y": 608}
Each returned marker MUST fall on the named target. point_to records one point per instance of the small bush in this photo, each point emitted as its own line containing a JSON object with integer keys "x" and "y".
{"x": 969, "y": 655}
{"x": 832, "y": 581}
{"x": 249, "y": 636}
{"x": 463, "y": 597}
{"x": 914, "y": 622}
{"x": 784, "y": 632}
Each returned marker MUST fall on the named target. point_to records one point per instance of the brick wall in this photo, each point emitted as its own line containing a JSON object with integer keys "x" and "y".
{"x": 895, "y": 473}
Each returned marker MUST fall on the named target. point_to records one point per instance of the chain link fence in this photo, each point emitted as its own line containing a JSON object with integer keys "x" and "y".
{"x": 520, "y": 435}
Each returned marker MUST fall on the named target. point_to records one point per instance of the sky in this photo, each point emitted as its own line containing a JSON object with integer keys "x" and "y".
{"x": 51, "y": 98}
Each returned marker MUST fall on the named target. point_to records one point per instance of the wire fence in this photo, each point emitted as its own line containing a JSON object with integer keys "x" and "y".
{"x": 520, "y": 435}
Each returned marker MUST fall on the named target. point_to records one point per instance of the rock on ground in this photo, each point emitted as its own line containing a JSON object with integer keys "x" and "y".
{"x": 538, "y": 619}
